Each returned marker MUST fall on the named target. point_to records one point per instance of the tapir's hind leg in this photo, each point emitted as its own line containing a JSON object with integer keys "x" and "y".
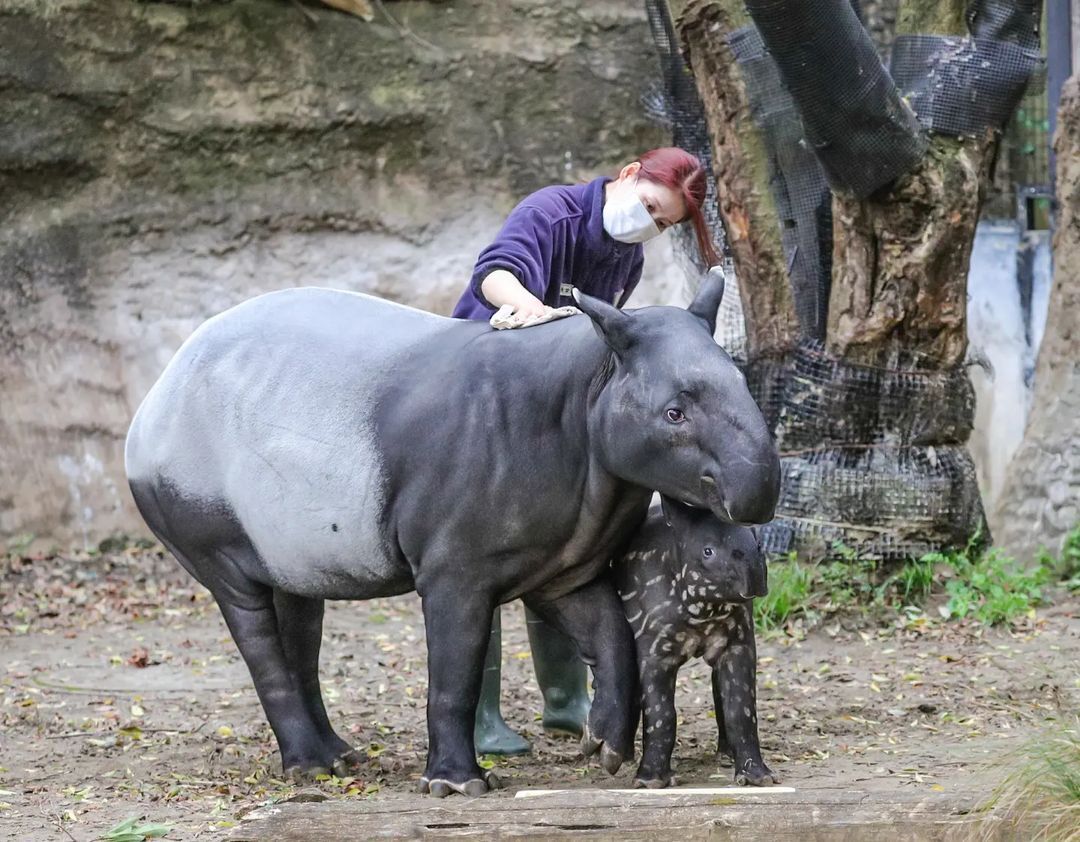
{"x": 300, "y": 622}
{"x": 255, "y": 628}
{"x": 278, "y": 635}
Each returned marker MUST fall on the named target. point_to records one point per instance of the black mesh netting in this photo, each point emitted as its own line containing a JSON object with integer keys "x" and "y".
{"x": 872, "y": 457}
{"x": 962, "y": 86}
{"x": 797, "y": 182}
{"x": 826, "y": 402}
{"x": 884, "y": 501}
{"x": 853, "y": 118}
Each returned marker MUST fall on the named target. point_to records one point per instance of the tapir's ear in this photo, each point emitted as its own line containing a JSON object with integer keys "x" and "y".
{"x": 707, "y": 301}
{"x": 675, "y": 513}
{"x": 611, "y": 323}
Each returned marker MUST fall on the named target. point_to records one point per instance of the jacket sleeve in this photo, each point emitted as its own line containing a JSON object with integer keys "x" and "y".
{"x": 524, "y": 247}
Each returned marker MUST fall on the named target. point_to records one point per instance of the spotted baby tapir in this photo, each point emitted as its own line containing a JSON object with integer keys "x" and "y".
{"x": 687, "y": 583}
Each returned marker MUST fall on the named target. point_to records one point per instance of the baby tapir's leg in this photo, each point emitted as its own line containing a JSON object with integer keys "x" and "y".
{"x": 735, "y": 695}
{"x": 658, "y": 737}
{"x": 722, "y": 745}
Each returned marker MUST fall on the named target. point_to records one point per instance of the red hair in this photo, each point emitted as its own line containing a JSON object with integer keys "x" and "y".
{"x": 682, "y": 172}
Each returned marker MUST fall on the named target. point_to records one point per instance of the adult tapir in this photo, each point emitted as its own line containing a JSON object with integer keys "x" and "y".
{"x": 313, "y": 444}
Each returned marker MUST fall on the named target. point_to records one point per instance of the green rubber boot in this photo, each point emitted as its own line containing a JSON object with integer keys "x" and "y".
{"x": 491, "y": 733}
{"x": 562, "y": 677}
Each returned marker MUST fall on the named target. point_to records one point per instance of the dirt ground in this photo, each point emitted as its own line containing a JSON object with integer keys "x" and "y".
{"x": 121, "y": 694}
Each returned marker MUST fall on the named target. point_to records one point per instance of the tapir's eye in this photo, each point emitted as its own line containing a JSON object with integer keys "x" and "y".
{"x": 675, "y": 416}
{"x": 708, "y": 552}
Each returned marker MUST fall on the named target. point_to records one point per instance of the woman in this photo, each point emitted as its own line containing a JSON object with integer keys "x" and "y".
{"x": 587, "y": 236}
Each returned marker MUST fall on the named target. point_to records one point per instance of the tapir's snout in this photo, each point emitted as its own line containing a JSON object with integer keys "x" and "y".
{"x": 748, "y": 493}
{"x": 758, "y": 579}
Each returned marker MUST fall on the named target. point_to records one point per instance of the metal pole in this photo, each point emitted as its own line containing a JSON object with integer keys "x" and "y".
{"x": 1059, "y": 59}
{"x": 1076, "y": 33}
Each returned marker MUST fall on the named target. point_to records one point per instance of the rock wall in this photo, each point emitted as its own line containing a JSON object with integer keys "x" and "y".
{"x": 1040, "y": 502}
{"x": 163, "y": 161}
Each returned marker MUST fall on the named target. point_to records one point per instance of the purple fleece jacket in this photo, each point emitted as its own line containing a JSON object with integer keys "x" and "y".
{"x": 555, "y": 240}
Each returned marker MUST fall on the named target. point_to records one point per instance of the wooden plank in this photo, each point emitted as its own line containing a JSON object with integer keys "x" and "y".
{"x": 822, "y": 816}
{"x": 739, "y": 792}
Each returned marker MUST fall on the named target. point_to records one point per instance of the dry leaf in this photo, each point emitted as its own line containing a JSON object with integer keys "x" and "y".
{"x": 360, "y": 8}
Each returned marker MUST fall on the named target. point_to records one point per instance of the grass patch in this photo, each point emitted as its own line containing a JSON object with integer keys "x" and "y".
{"x": 1040, "y": 796}
{"x": 993, "y": 587}
{"x": 987, "y": 586}
{"x": 789, "y": 593}
{"x": 1067, "y": 565}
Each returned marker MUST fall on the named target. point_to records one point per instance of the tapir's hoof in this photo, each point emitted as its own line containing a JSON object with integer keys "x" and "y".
{"x": 305, "y": 774}
{"x": 610, "y": 759}
{"x": 655, "y": 783}
{"x": 472, "y": 788}
{"x": 756, "y": 774}
{"x": 347, "y": 763}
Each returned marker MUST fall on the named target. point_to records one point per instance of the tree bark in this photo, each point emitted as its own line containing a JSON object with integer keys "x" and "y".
{"x": 741, "y": 169}
{"x": 933, "y": 17}
{"x": 900, "y": 261}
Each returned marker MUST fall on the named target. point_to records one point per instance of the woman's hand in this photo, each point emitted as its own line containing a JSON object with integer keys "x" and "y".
{"x": 501, "y": 287}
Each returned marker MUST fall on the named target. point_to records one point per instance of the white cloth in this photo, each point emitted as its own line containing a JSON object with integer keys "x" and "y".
{"x": 506, "y": 319}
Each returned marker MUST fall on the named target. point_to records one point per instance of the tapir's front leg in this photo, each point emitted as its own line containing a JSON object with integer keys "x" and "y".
{"x": 593, "y": 617}
{"x": 658, "y": 738}
{"x": 736, "y": 674}
{"x": 458, "y": 622}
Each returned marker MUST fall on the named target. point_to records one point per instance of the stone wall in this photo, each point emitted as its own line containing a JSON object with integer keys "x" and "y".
{"x": 163, "y": 161}
{"x": 1041, "y": 499}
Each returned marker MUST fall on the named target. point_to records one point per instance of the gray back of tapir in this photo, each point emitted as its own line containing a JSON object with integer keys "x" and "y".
{"x": 312, "y": 444}
{"x": 687, "y": 582}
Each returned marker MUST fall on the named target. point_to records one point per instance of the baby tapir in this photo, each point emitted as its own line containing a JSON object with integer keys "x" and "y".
{"x": 687, "y": 582}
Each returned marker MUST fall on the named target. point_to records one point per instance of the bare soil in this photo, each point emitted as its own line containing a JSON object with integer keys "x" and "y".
{"x": 121, "y": 694}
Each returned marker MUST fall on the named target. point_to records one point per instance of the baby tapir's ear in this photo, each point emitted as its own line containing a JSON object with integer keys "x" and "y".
{"x": 676, "y": 514}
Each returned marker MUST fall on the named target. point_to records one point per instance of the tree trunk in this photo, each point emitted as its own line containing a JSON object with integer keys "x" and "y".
{"x": 872, "y": 425}
{"x": 741, "y": 168}
{"x": 900, "y": 260}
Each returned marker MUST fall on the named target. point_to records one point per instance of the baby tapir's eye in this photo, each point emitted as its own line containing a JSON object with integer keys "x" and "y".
{"x": 708, "y": 552}
{"x": 675, "y": 416}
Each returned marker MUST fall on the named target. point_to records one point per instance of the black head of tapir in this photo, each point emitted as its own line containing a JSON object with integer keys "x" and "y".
{"x": 673, "y": 412}
{"x": 720, "y": 562}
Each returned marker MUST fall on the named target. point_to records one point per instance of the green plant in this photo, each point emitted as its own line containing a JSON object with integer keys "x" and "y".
{"x": 129, "y": 830}
{"x": 1067, "y": 565}
{"x": 986, "y": 585}
{"x": 789, "y": 592}
{"x": 847, "y": 579}
{"x": 912, "y": 583}
{"x": 18, "y": 545}
{"x": 993, "y": 588}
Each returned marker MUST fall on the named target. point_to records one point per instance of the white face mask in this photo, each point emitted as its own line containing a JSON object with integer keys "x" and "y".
{"x": 626, "y": 219}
